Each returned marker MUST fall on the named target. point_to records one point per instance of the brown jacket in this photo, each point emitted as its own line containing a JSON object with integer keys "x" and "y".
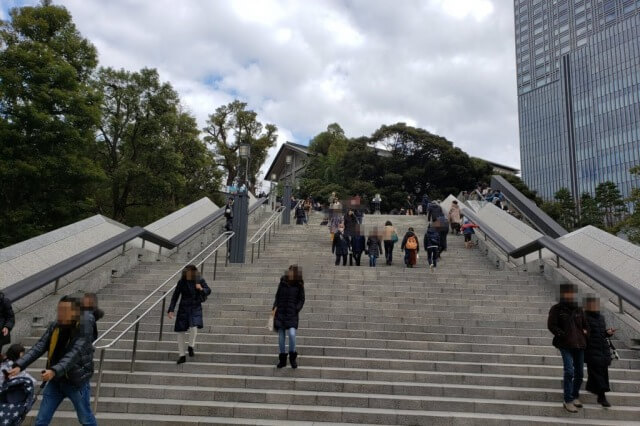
{"x": 567, "y": 321}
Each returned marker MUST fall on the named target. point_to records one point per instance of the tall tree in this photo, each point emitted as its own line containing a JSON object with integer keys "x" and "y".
{"x": 48, "y": 114}
{"x": 590, "y": 214}
{"x": 232, "y": 125}
{"x": 566, "y": 208}
{"x": 610, "y": 202}
{"x": 631, "y": 224}
{"x": 148, "y": 147}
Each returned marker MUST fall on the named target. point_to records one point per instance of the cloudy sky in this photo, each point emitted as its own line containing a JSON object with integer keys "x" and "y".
{"x": 445, "y": 65}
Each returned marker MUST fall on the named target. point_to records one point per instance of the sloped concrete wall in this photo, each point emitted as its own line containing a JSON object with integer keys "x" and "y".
{"x": 512, "y": 229}
{"x": 28, "y": 257}
{"x": 613, "y": 254}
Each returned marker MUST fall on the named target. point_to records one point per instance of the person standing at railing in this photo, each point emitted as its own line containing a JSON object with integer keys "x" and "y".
{"x": 69, "y": 364}
{"x": 192, "y": 290}
{"x": 7, "y": 320}
{"x": 228, "y": 215}
{"x": 287, "y": 306}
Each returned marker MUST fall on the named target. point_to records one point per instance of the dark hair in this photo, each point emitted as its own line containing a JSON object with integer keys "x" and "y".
{"x": 187, "y": 268}
{"x": 568, "y": 288}
{"x": 297, "y": 275}
{"x": 388, "y": 223}
{"x": 410, "y": 229}
{"x": 75, "y": 302}
{"x": 14, "y": 351}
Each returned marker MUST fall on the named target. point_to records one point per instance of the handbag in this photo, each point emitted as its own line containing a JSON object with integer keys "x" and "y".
{"x": 613, "y": 350}
{"x": 271, "y": 320}
{"x": 394, "y": 237}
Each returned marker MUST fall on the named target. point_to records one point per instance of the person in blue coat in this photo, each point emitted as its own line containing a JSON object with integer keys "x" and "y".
{"x": 192, "y": 290}
{"x": 357, "y": 246}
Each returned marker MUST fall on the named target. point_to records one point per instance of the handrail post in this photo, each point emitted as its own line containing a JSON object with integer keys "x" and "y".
{"x": 55, "y": 288}
{"x": 557, "y": 261}
{"x": 164, "y": 304}
{"x": 258, "y": 249}
{"x": 620, "y": 305}
{"x": 99, "y": 384}
{"x": 264, "y": 243}
{"x": 135, "y": 344}
{"x": 215, "y": 264}
{"x": 252, "y": 246}
{"x": 226, "y": 256}
{"x": 124, "y": 246}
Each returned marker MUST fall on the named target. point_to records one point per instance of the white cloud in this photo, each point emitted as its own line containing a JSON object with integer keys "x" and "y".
{"x": 445, "y": 65}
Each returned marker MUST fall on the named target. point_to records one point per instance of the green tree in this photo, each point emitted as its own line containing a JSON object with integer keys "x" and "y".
{"x": 566, "y": 208}
{"x": 610, "y": 202}
{"x": 631, "y": 225}
{"x": 232, "y": 125}
{"x": 48, "y": 117}
{"x": 590, "y": 214}
{"x": 149, "y": 148}
{"x": 523, "y": 188}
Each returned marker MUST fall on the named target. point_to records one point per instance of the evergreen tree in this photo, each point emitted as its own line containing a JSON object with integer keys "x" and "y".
{"x": 48, "y": 117}
{"x": 566, "y": 208}
{"x": 590, "y": 213}
{"x": 610, "y": 202}
{"x": 631, "y": 225}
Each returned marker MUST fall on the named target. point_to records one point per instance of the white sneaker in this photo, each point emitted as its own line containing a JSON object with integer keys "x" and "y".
{"x": 431, "y": 267}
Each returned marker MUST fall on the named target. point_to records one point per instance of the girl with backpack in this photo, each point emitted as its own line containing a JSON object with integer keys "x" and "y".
{"x": 192, "y": 290}
{"x": 411, "y": 247}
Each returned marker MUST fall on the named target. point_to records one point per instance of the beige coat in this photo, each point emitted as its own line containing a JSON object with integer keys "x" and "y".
{"x": 454, "y": 214}
{"x": 388, "y": 232}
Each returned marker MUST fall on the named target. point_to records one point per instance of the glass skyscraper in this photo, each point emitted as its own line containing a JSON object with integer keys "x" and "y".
{"x": 578, "y": 65}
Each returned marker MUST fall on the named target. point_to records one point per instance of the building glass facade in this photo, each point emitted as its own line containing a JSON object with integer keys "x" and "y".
{"x": 578, "y": 65}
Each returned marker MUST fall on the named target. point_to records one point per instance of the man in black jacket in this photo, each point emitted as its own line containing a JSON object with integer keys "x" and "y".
{"x": 69, "y": 364}
{"x": 7, "y": 321}
{"x": 570, "y": 329}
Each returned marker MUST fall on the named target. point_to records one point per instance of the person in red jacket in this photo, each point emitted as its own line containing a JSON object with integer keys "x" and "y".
{"x": 568, "y": 323}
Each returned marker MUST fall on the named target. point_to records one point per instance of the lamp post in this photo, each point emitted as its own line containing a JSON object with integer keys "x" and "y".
{"x": 272, "y": 188}
{"x": 286, "y": 196}
{"x": 245, "y": 152}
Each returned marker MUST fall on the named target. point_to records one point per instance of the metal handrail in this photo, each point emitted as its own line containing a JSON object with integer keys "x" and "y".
{"x": 226, "y": 236}
{"x": 625, "y": 291}
{"x": 274, "y": 215}
{"x": 269, "y": 226}
{"x": 528, "y": 208}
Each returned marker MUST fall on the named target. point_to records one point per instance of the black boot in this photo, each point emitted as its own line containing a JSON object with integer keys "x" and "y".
{"x": 602, "y": 400}
{"x": 191, "y": 352}
{"x": 283, "y": 361}
{"x": 181, "y": 360}
{"x": 292, "y": 359}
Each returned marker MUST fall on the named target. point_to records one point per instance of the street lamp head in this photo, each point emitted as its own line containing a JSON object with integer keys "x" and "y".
{"x": 288, "y": 159}
{"x": 274, "y": 177}
{"x": 244, "y": 150}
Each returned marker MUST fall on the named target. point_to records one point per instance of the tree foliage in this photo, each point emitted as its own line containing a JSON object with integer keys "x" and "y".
{"x": 232, "y": 125}
{"x": 589, "y": 211}
{"x": 48, "y": 117}
{"x": 566, "y": 208}
{"x": 413, "y": 161}
{"x": 610, "y": 202}
{"x": 631, "y": 225}
{"x": 148, "y": 148}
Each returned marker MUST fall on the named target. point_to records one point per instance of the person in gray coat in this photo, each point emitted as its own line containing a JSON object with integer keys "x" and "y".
{"x": 69, "y": 364}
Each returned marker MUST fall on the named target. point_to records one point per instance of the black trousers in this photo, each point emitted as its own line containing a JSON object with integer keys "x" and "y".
{"x": 355, "y": 257}
{"x": 344, "y": 259}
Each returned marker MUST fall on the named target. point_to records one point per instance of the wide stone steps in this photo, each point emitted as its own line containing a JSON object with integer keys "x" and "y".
{"x": 466, "y": 344}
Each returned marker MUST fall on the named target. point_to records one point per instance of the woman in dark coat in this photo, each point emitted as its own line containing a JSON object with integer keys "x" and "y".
{"x": 7, "y": 321}
{"x": 597, "y": 355}
{"x": 374, "y": 247}
{"x": 192, "y": 291}
{"x": 340, "y": 245}
{"x": 288, "y": 304}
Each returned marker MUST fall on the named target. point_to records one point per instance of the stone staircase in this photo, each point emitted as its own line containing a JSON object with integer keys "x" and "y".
{"x": 466, "y": 344}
